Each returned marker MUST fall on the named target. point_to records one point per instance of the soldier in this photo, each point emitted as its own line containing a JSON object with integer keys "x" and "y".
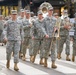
{"x": 74, "y": 40}
{"x": 20, "y": 18}
{"x": 1, "y": 27}
{"x": 26, "y": 27}
{"x": 64, "y": 37}
{"x": 38, "y": 33}
{"x": 58, "y": 23}
{"x": 49, "y": 42}
{"x": 13, "y": 36}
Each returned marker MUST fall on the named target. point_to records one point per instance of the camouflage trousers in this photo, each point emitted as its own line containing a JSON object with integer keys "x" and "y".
{"x": 64, "y": 39}
{"x": 0, "y": 35}
{"x": 74, "y": 47}
{"x": 47, "y": 45}
{"x": 21, "y": 48}
{"x": 25, "y": 45}
{"x": 13, "y": 46}
{"x": 35, "y": 46}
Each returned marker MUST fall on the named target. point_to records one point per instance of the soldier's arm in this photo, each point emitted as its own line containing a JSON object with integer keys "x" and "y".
{"x": 41, "y": 29}
{"x": 32, "y": 30}
{"x": 62, "y": 25}
{"x": 4, "y": 34}
{"x": 22, "y": 32}
{"x": 26, "y": 25}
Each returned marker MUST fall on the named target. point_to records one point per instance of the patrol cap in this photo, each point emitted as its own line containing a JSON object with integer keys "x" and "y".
{"x": 55, "y": 14}
{"x": 7, "y": 18}
{"x": 50, "y": 8}
{"x": 65, "y": 11}
{"x": 13, "y": 11}
{"x": 28, "y": 11}
{"x": 22, "y": 10}
{"x": 32, "y": 12}
{"x": 39, "y": 12}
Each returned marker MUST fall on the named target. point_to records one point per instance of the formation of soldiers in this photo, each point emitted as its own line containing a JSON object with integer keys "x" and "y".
{"x": 38, "y": 35}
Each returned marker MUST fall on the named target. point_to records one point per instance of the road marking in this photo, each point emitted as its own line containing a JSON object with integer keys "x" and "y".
{"x": 26, "y": 69}
{"x": 29, "y": 70}
{"x": 61, "y": 68}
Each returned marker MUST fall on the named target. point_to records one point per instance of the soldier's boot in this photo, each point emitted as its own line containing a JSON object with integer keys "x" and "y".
{"x": 53, "y": 65}
{"x": 16, "y": 67}
{"x": 67, "y": 58}
{"x": 59, "y": 56}
{"x": 20, "y": 55}
{"x": 23, "y": 58}
{"x": 12, "y": 54}
{"x": 8, "y": 64}
{"x": 2, "y": 44}
{"x": 41, "y": 61}
{"x": 30, "y": 58}
{"x": 49, "y": 54}
{"x": 45, "y": 62}
{"x": 73, "y": 58}
{"x": 33, "y": 59}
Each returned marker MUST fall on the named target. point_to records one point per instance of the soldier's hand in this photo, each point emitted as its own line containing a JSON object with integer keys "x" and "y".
{"x": 5, "y": 40}
{"x": 46, "y": 36}
{"x": 71, "y": 39}
{"x": 33, "y": 38}
{"x": 69, "y": 27}
{"x": 55, "y": 29}
{"x": 66, "y": 27}
{"x": 30, "y": 25}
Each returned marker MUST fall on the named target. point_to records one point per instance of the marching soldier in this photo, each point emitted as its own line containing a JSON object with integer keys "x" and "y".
{"x": 64, "y": 37}
{"x": 26, "y": 27}
{"x": 38, "y": 33}
{"x": 1, "y": 27}
{"x": 58, "y": 23}
{"x": 49, "y": 43}
{"x": 74, "y": 40}
{"x": 13, "y": 33}
{"x": 20, "y": 18}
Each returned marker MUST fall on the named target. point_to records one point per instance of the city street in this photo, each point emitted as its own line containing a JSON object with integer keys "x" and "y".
{"x": 27, "y": 68}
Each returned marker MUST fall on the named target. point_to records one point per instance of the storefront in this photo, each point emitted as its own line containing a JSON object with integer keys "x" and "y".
{"x": 57, "y": 4}
{"x": 7, "y": 5}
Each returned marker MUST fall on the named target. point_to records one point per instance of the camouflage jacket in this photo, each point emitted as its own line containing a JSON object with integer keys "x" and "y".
{"x": 75, "y": 30}
{"x": 26, "y": 28}
{"x": 50, "y": 23}
{"x": 38, "y": 30}
{"x": 64, "y": 31}
{"x": 1, "y": 24}
{"x": 13, "y": 30}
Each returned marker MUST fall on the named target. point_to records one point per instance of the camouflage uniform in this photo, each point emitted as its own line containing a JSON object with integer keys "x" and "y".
{"x": 38, "y": 33}
{"x": 1, "y": 29}
{"x": 13, "y": 32}
{"x": 26, "y": 28}
{"x": 64, "y": 38}
{"x": 20, "y": 19}
{"x": 50, "y": 23}
{"x": 58, "y": 23}
{"x": 74, "y": 41}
